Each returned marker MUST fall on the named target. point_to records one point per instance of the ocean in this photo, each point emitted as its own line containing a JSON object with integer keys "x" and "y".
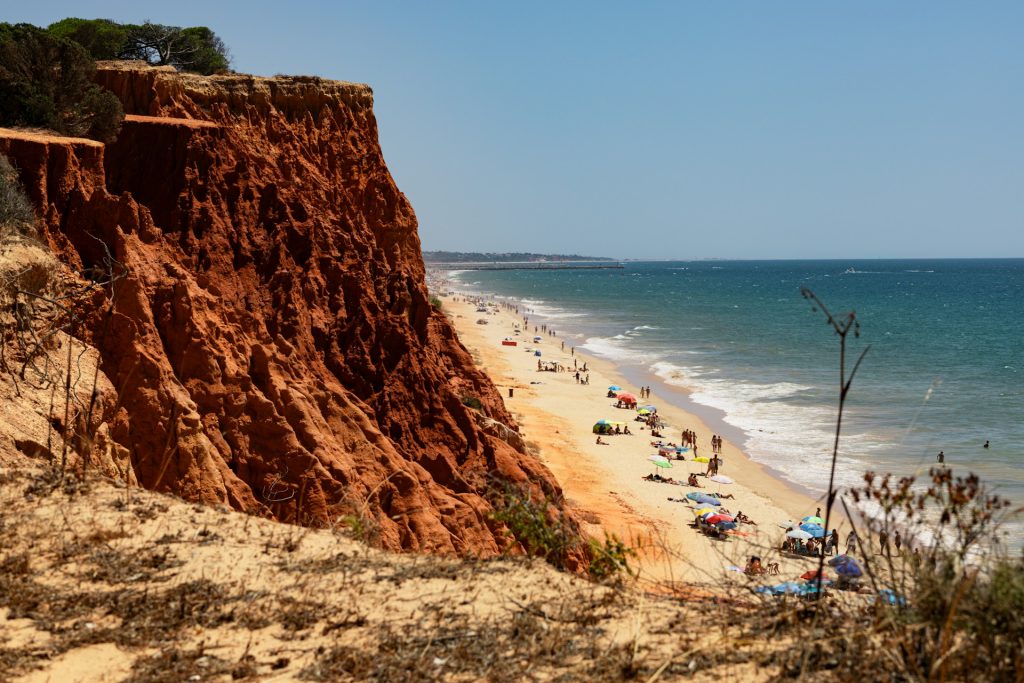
{"x": 944, "y": 370}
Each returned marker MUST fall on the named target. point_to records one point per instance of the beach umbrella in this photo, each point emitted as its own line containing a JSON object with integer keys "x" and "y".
{"x": 703, "y": 511}
{"x": 626, "y": 396}
{"x": 846, "y": 566}
{"x": 810, "y": 575}
{"x": 812, "y": 520}
{"x": 615, "y": 387}
{"x": 700, "y": 459}
{"x": 603, "y": 422}
{"x": 715, "y": 519}
{"x": 799, "y": 534}
{"x": 721, "y": 479}
{"x": 537, "y": 339}
{"x": 726, "y": 526}
{"x": 643, "y": 411}
{"x": 815, "y": 530}
{"x": 704, "y": 499}
{"x": 660, "y": 458}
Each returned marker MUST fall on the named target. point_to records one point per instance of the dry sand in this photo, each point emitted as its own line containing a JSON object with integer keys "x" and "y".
{"x": 604, "y": 482}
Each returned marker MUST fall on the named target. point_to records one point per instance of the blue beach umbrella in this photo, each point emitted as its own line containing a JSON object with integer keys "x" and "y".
{"x": 845, "y": 565}
{"x": 815, "y": 530}
{"x": 614, "y": 387}
{"x": 703, "y": 499}
{"x": 813, "y": 520}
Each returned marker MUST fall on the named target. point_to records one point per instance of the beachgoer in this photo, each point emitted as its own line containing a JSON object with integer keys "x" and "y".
{"x": 692, "y": 480}
{"x": 625, "y": 430}
{"x": 851, "y": 542}
{"x": 600, "y": 442}
{"x": 754, "y": 567}
{"x": 897, "y": 541}
{"x": 883, "y": 543}
{"x": 940, "y": 458}
{"x": 618, "y": 429}
{"x": 811, "y": 547}
{"x": 817, "y": 513}
{"x": 986, "y": 444}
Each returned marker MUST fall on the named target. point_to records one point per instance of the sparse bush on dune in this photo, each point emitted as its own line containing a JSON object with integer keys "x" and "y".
{"x": 16, "y": 213}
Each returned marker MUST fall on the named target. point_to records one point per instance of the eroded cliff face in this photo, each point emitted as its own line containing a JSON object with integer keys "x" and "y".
{"x": 269, "y": 336}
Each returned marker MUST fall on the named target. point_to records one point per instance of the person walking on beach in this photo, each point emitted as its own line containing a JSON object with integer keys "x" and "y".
{"x": 883, "y": 543}
{"x": 851, "y": 542}
{"x": 897, "y": 541}
{"x": 940, "y": 458}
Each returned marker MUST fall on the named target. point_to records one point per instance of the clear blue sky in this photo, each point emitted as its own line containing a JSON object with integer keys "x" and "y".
{"x": 677, "y": 129}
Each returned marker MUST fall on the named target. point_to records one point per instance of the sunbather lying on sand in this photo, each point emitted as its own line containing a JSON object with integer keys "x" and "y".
{"x": 742, "y": 518}
{"x": 659, "y": 478}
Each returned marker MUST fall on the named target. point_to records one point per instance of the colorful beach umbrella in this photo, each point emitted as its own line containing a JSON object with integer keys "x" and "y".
{"x": 653, "y": 409}
{"x": 703, "y": 511}
{"x": 799, "y": 534}
{"x": 812, "y": 520}
{"x": 700, "y": 459}
{"x": 643, "y": 411}
{"x": 615, "y": 387}
{"x": 626, "y": 396}
{"x": 715, "y": 519}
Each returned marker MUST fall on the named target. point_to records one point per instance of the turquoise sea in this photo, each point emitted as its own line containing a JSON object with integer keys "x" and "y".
{"x": 745, "y": 350}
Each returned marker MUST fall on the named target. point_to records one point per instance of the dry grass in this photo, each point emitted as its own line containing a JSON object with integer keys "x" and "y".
{"x": 182, "y": 591}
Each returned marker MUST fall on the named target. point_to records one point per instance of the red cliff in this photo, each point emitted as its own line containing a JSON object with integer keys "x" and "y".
{"x": 270, "y": 339}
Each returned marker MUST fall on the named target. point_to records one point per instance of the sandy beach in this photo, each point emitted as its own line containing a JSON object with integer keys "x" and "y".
{"x": 604, "y": 484}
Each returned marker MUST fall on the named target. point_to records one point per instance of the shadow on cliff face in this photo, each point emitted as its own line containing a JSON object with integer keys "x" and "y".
{"x": 271, "y": 344}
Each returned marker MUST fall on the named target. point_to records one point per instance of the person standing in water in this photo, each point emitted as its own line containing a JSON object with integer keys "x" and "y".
{"x": 986, "y": 444}
{"x": 940, "y": 458}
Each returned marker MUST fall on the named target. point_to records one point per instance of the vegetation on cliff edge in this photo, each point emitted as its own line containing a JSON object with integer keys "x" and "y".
{"x": 188, "y": 48}
{"x": 46, "y": 81}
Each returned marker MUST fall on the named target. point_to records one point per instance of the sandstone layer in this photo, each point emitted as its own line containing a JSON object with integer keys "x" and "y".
{"x": 262, "y": 318}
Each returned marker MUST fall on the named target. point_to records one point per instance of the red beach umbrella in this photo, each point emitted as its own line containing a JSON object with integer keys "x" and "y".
{"x": 626, "y": 397}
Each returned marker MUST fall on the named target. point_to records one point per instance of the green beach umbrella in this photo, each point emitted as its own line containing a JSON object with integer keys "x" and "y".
{"x": 660, "y": 461}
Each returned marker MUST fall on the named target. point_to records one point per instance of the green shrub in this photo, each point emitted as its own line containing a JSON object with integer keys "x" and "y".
{"x": 472, "y": 402}
{"x": 609, "y": 559}
{"x": 101, "y": 38}
{"x": 538, "y": 526}
{"x": 435, "y": 301}
{"x": 46, "y": 81}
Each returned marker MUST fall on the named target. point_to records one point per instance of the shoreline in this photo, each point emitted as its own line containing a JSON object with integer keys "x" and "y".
{"x": 603, "y": 484}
